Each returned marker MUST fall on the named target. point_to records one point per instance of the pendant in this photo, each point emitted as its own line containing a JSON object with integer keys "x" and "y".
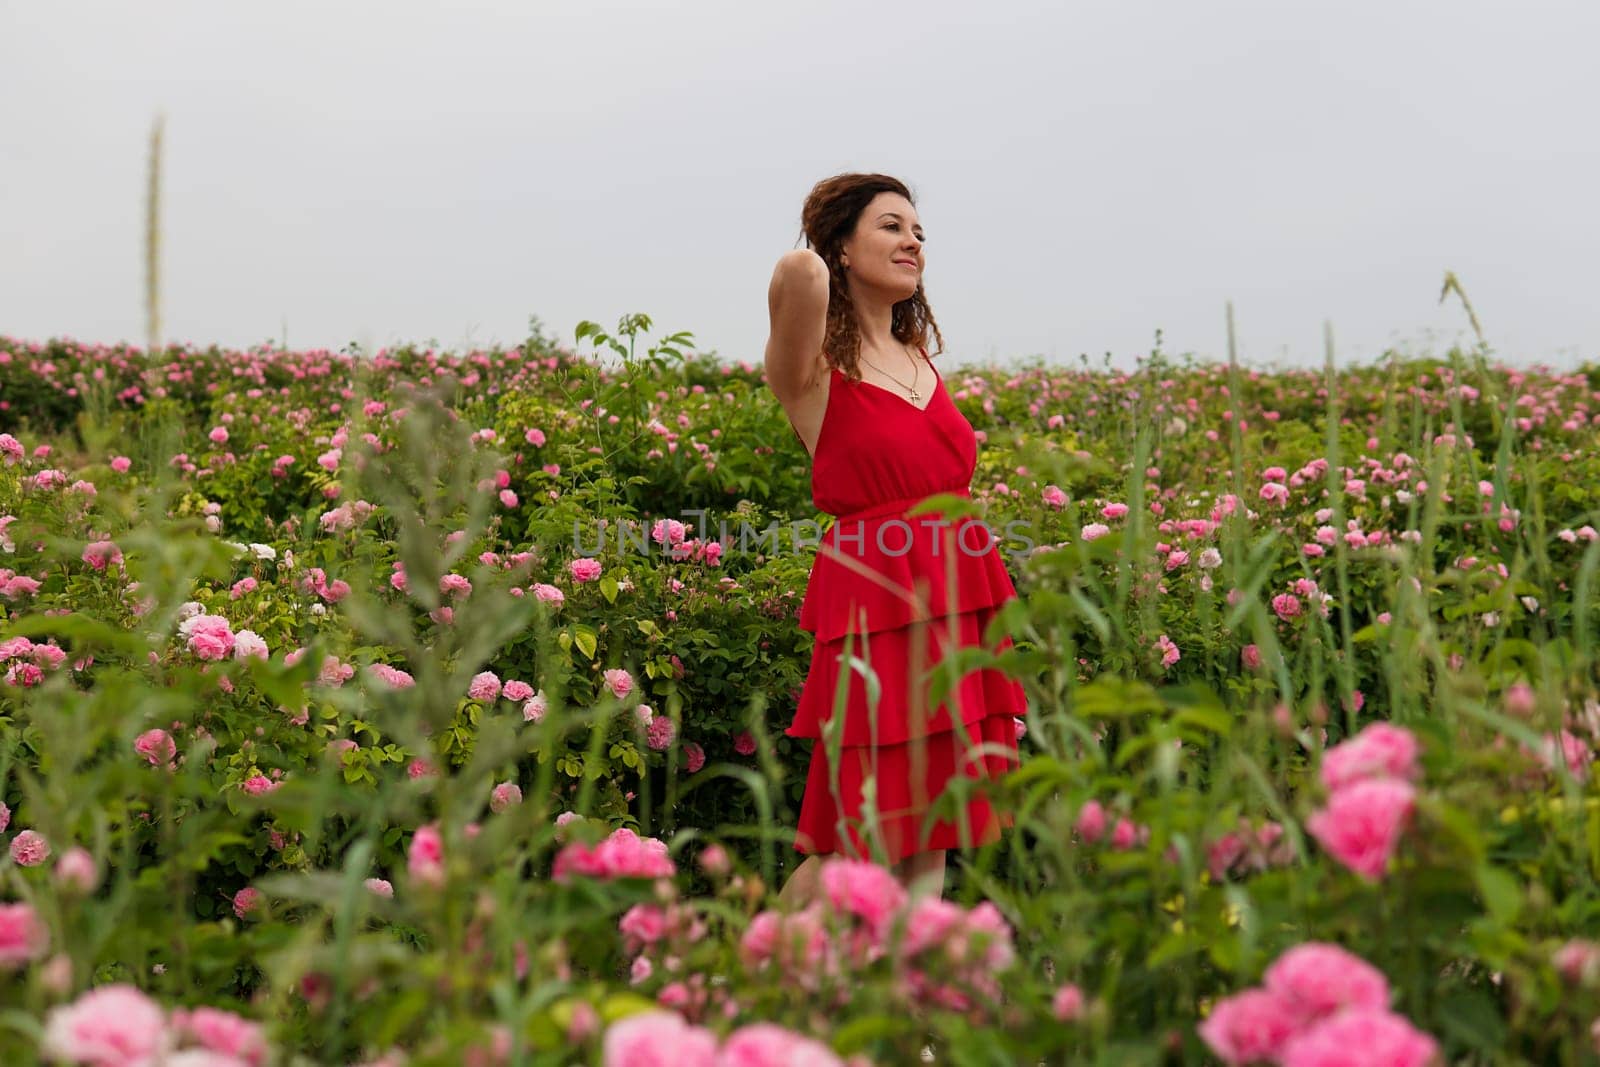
{"x": 915, "y": 396}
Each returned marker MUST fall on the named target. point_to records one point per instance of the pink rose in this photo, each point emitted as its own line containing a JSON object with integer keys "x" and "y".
{"x": 425, "y": 860}
{"x": 1569, "y": 749}
{"x": 23, "y": 938}
{"x": 1380, "y": 1036}
{"x": 258, "y": 784}
{"x": 862, "y": 889}
{"x": 1067, "y": 1004}
{"x": 25, "y": 675}
{"x": 210, "y": 637}
{"x": 624, "y": 854}
{"x": 504, "y": 796}
{"x": 1169, "y": 651}
{"x": 517, "y": 691}
{"x": 584, "y": 569}
{"x": 1578, "y": 961}
{"x": 660, "y": 733}
{"x": 770, "y": 1045}
{"x": 484, "y": 687}
{"x": 657, "y": 1039}
{"x": 76, "y": 870}
{"x": 694, "y": 757}
{"x": 1318, "y": 979}
{"x": 931, "y": 922}
{"x": 380, "y": 887}
{"x": 715, "y": 861}
{"x": 643, "y": 925}
{"x": 744, "y": 743}
{"x": 1382, "y": 750}
{"x": 156, "y": 746}
{"x": 108, "y": 1026}
{"x": 222, "y": 1032}
{"x": 1362, "y": 823}
{"x": 246, "y": 902}
{"x": 29, "y": 848}
{"x": 619, "y": 681}
{"x": 1091, "y": 822}
{"x": 247, "y": 644}
{"x": 102, "y": 554}
{"x": 1249, "y": 1027}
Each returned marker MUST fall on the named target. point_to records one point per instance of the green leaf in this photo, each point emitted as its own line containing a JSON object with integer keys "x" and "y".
{"x": 621, "y": 1005}
{"x": 586, "y": 641}
{"x": 1212, "y": 719}
{"x": 1473, "y": 1018}
{"x": 1174, "y": 946}
{"x": 1502, "y": 893}
{"x": 608, "y": 589}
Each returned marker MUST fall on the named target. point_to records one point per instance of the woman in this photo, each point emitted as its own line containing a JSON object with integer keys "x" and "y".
{"x": 847, "y": 359}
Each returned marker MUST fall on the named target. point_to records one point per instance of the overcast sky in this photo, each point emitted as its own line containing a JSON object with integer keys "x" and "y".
{"x": 1087, "y": 173}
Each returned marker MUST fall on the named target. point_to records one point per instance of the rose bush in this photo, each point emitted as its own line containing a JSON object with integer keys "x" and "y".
{"x": 331, "y": 731}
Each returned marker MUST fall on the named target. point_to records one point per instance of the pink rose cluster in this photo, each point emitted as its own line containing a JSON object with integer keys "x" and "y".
{"x": 209, "y": 637}
{"x": 28, "y": 662}
{"x": 1248, "y": 849}
{"x": 14, "y": 586}
{"x": 315, "y": 581}
{"x": 346, "y": 516}
{"x": 1317, "y": 1003}
{"x": 652, "y": 933}
{"x": 624, "y": 854}
{"x": 393, "y": 677}
{"x": 954, "y": 956}
{"x": 1371, "y": 798}
{"x": 102, "y": 554}
{"x": 946, "y": 956}
{"x": 1091, "y": 823}
{"x": 665, "y": 1039}
{"x": 117, "y": 1024}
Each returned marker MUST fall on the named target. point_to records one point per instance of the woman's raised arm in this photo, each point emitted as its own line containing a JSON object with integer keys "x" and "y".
{"x": 797, "y": 300}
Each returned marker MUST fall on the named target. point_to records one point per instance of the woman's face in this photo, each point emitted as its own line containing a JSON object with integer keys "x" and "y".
{"x": 884, "y": 255}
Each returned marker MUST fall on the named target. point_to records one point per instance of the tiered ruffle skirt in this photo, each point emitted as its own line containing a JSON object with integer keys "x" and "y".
{"x": 897, "y": 753}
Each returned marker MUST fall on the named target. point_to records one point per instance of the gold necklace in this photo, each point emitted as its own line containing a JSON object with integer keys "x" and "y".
{"x": 916, "y": 375}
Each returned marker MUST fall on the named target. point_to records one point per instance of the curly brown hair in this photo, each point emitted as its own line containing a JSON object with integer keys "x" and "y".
{"x": 828, "y": 218}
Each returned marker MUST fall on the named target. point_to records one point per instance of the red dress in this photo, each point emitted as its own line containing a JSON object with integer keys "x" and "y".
{"x": 903, "y": 592}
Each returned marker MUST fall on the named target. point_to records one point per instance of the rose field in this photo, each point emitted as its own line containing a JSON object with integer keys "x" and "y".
{"x": 415, "y": 707}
